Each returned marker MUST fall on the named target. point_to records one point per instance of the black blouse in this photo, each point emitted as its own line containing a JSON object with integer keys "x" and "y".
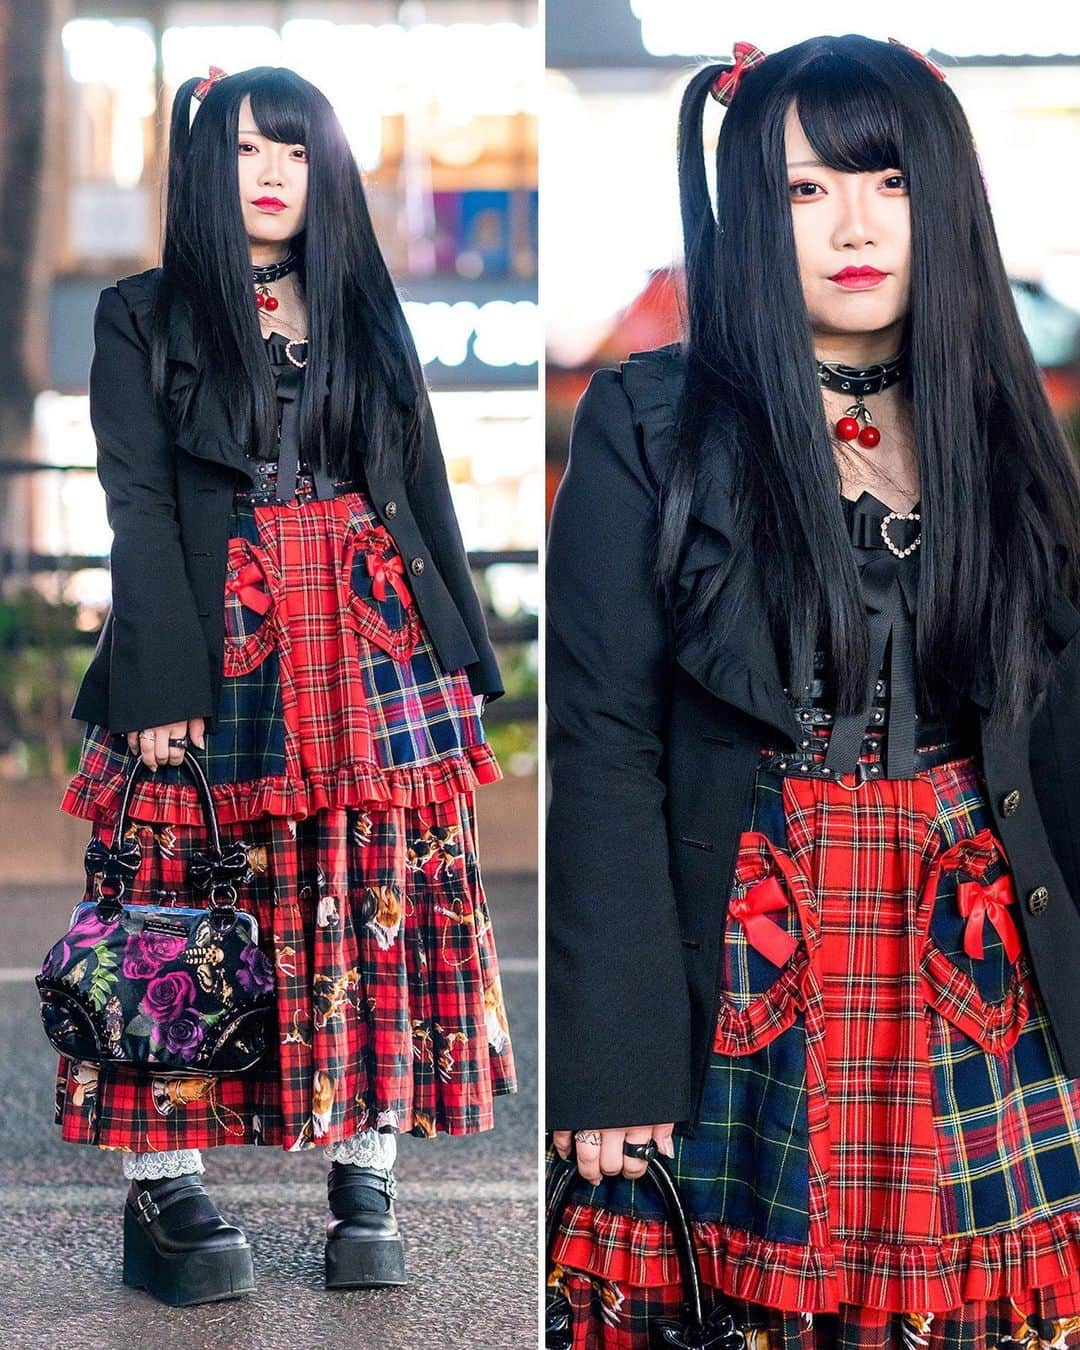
{"x": 289, "y": 381}
{"x": 893, "y": 720}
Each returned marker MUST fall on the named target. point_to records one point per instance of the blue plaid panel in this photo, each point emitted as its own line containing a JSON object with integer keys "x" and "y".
{"x": 749, "y": 1163}
{"x": 967, "y": 813}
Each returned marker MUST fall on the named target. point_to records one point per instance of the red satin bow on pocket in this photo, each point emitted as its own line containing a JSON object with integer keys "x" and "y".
{"x": 249, "y": 586}
{"x": 978, "y": 899}
{"x": 765, "y": 935}
{"x": 390, "y": 569}
{"x": 977, "y": 902}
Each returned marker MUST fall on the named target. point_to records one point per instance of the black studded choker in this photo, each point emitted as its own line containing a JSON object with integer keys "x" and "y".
{"x": 275, "y": 271}
{"x": 863, "y": 379}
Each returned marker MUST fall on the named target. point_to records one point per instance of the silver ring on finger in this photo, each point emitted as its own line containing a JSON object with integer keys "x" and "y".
{"x": 178, "y": 740}
{"x": 143, "y": 735}
{"x": 591, "y": 1137}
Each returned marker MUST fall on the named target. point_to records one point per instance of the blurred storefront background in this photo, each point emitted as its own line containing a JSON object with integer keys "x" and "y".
{"x": 439, "y": 101}
{"x": 609, "y": 214}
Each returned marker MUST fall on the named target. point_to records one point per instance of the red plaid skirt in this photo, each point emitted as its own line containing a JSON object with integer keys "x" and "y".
{"x": 346, "y": 761}
{"x": 888, "y": 1151}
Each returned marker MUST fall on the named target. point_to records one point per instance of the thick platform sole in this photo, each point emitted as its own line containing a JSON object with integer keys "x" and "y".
{"x": 195, "y": 1277}
{"x": 365, "y": 1263}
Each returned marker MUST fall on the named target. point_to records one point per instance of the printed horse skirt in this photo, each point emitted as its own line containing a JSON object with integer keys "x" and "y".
{"x": 345, "y": 760}
{"x": 889, "y": 1151}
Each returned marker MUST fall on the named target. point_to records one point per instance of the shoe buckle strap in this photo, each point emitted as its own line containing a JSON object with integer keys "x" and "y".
{"x": 147, "y": 1206}
{"x": 377, "y": 1179}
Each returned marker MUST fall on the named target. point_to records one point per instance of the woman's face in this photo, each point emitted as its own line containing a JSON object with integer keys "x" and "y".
{"x": 849, "y": 220}
{"x": 270, "y": 172}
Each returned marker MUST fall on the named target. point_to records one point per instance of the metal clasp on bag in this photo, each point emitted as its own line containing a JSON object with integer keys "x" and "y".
{"x": 222, "y": 912}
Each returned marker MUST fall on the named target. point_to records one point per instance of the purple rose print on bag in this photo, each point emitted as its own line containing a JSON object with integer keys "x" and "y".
{"x": 167, "y": 996}
{"x": 255, "y": 974}
{"x": 146, "y": 953}
{"x": 88, "y": 931}
{"x": 184, "y": 1036}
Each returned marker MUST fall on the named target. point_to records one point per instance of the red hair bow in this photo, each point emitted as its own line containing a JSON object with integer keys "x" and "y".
{"x": 727, "y": 82}
{"x": 204, "y": 86}
{"x": 924, "y": 59}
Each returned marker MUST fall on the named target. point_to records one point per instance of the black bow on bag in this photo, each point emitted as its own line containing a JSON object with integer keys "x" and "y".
{"x": 693, "y": 1330}
{"x": 160, "y": 988}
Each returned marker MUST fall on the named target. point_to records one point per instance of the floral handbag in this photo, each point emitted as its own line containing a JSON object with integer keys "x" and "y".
{"x": 160, "y": 988}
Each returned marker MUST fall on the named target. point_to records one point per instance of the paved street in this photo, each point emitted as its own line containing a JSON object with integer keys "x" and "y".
{"x": 467, "y": 1206}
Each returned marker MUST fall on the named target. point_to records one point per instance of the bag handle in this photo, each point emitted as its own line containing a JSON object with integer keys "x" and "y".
{"x": 696, "y": 1329}
{"x": 214, "y": 872}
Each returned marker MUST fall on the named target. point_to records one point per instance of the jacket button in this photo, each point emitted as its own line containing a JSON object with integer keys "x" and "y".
{"x": 390, "y": 508}
{"x": 1037, "y": 899}
{"x": 417, "y": 565}
{"x": 1010, "y": 802}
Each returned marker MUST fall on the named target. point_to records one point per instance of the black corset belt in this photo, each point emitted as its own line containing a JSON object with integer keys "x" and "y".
{"x": 852, "y": 744}
{"x": 272, "y": 487}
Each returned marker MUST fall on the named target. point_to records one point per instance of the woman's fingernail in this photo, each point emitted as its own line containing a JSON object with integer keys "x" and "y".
{"x": 667, "y": 1147}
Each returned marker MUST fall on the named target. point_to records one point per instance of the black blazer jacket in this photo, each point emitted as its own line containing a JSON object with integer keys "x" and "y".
{"x": 652, "y": 749}
{"x": 169, "y": 495}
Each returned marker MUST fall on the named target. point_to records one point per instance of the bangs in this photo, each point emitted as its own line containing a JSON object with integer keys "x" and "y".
{"x": 848, "y": 114}
{"x": 281, "y": 110}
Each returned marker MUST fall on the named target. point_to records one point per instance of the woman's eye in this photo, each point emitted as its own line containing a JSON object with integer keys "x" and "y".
{"x": 301, "y": 151}
{"x": 794, "y": 188}
{"x": 893, "y": 177}
{"x": 246, "y": 145}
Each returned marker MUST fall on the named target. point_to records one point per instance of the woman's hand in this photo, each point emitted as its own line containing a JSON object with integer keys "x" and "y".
{"x": 600, "y": 1152}
{"x": 152, "y": 743}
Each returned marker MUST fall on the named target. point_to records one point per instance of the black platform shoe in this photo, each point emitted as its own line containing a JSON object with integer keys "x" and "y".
{"x": 179, "y": 1248}
{"x": 364, "y": 1249}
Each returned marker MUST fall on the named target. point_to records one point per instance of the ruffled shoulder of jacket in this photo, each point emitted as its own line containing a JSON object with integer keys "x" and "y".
{"x": 137, "y": 292}
{"x": 652, "y": 381}
{"x": 139, "y": 289}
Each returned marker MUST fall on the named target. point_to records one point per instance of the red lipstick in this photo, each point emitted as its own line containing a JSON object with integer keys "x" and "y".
{"x": 858, "y": 278}
{"x": 269, "y": 203}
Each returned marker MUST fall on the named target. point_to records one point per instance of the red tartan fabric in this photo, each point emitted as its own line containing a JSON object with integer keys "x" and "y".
{"x": 390, "y": 1010}
{"x": 886, "y": 1137}
{"x": 94, "y": 793}
{"x": 334, "y": 674}
{"x": 609, "y": 1316}
{"x": 345, "y": 760}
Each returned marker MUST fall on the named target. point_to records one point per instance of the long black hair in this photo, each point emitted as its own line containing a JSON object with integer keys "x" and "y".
{"x": 356, "y": 329}
{"x": 980, "y": 414}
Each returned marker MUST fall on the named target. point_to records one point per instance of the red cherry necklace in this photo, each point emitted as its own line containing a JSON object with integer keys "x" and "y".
{"x": 262, "y": 276}
{"x": 860, "y": 382}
